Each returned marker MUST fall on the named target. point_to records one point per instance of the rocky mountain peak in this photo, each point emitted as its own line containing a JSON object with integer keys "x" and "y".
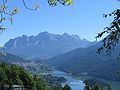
{"x": 44, "y": 45}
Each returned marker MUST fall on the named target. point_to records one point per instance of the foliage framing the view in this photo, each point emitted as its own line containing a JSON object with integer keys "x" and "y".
{"x": 113, "y": 32}
{"x": 63, "y": 2}
{"x": 7, "y": 14}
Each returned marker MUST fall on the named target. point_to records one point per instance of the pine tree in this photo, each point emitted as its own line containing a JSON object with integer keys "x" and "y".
{"x": 96, "y": 87}
{"x": 87, "y": 85}
{"x": 67, "y": 87}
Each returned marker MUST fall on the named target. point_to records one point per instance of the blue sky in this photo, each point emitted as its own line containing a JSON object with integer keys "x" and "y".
{"x": 84, "y": 18}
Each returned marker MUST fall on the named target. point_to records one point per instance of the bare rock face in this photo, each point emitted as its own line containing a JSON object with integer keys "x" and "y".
{"x": 45, "y": 45}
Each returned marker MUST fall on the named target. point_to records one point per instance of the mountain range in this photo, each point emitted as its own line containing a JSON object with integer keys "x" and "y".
{"x": 65, "y": 52}
{"x": 45, "y": 45}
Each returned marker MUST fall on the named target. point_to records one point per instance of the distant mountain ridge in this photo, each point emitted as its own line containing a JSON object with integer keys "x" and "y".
{"x": 10, "y": 58}
{"x": 86, "y": 60}
{"x": 45, "y": 45}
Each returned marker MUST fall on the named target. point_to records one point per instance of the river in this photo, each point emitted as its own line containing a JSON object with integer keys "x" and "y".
{"x": 74, "y": 83}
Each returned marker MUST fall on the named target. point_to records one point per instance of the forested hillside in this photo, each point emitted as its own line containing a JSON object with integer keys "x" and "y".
{"x": 14, "y": 75}
{"x": 87, "y": 60}
{"x": 26, "y": 74}
{"x": 7, "y": 57}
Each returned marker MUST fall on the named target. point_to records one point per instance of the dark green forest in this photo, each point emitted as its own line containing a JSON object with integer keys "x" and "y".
{"x": 14, "y": 75}
{"x": 11, "y": 75}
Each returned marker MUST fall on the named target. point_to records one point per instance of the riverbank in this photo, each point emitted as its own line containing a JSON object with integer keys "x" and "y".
{"x": 76, "y": 82}
{"x": 73, "y": 82}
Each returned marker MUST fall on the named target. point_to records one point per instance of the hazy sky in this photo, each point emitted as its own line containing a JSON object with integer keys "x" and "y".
{"x": 83, "y": 18}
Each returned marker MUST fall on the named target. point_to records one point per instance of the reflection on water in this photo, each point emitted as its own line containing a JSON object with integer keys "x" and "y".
{"x": 71, "y": 81}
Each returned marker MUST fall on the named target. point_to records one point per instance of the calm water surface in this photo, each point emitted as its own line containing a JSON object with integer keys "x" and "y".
{"x": 74, "y": 83}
